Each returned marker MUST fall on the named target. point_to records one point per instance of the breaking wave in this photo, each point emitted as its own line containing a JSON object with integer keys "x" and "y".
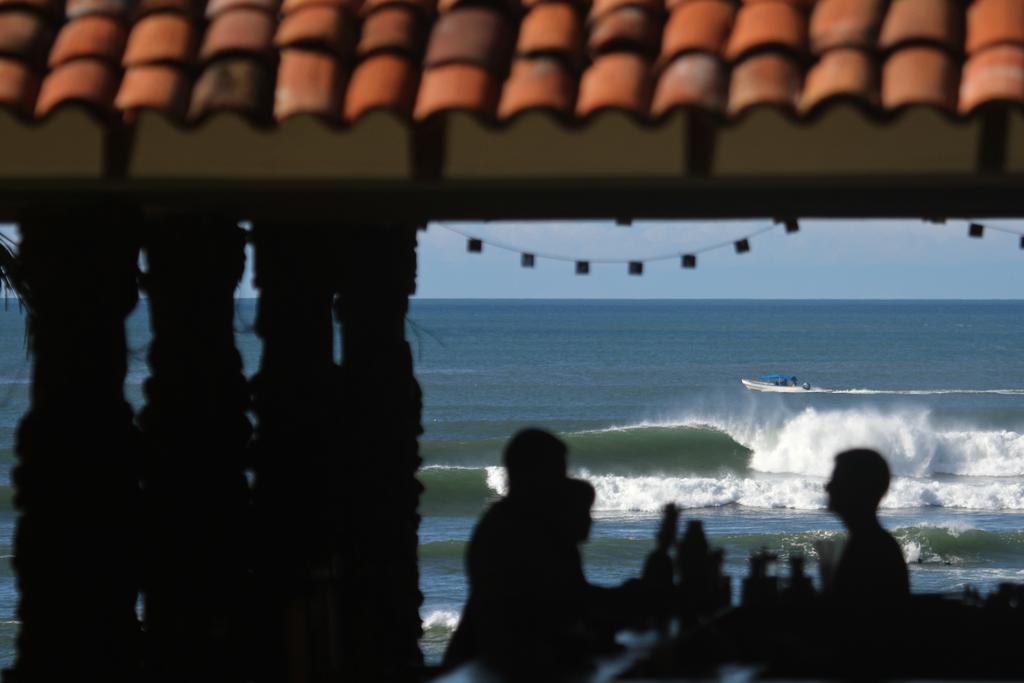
{"x": 705, "y": 461}
{"x": 444, "y": 620}
{"x": 913, "y": 443}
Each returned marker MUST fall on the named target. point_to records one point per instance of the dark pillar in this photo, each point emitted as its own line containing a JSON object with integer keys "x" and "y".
{"x": 195, "y": 431}
{"x": 295, "y": 456}
{"x": 379, "y": 603}
{"x": 77, "y": 476}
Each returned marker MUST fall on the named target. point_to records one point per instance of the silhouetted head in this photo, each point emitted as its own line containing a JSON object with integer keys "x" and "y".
{"x": 576, "y": 500}
{"x": 859, "y": 481}
{"x": 535, "y": 461}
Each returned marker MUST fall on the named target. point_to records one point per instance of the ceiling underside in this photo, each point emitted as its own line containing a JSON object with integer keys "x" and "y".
{"x": 918, "y": 161}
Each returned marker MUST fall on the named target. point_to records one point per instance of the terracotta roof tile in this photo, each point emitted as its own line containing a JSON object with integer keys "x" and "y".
{"x": 599, "y": 8}
{"x": 51, "y": 8}
{"x": 620, "y": 80}
{"x": 582, "y": 5}
{"x": 238, "y": 84}
{"x": 698, "y": 25}
{"x": 158, "y": 87}
{"x": 238, "y": 31}
{"x": 24, "y": 35}
{"x": 161, "y": 37}
{"x": 80, "y": 8}
{"x": 86, "y": 81}
{"x": 470, "y": 35}
{"x": 765, "y": 78}
{"x": 696, "y": 79}
{"x": 625, "y": 28}
{"x": 94, "y": 35}
{"x": 189, "y": 8}
{"x": 215, "y": 8}
{"x": 395, "y": 27}
{"x": 920, "y": 75}
{"x": 425, "y": 7}
{"x": 340, "y": 59}
{"x": 553, "y": 28}
{"x": 382, "y": 81}
{"x": 509, "y": 7}
{"x": 932, "y": 21}
{"x": 18, "y": 86}
{"x": 325, "y": 27}
{"x": 538, "y": 83}
{"x": 465, "y": 87}
{"x": 995, "y": 74}
{"x": 845, "y": 23}
{"x": 991, "y": 22}
{"x": 843, "y": 72}
{"x": 289, "y": 6}
{"x": 309, "y": 82}
{"x": 769, "y": 23}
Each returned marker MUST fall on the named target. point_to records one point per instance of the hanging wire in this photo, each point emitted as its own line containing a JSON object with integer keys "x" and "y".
{"x": 572, "y": 259}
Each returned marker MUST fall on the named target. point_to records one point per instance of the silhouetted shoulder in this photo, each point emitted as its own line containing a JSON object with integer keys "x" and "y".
{"x": 871, "y": 569}
{"x": 493, "y": 526}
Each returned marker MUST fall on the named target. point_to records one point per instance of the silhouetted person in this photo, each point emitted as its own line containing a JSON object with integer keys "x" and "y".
{"x": 871, "y": 570}
{"x": 512, "y": 558}
{"x": 592, "y": 614}
{"x": 530, "y": 608}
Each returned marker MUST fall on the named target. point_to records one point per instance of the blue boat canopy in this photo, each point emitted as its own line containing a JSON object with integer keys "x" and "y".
{"x": 776, "y": 378}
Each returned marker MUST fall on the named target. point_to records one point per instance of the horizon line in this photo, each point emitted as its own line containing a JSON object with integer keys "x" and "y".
{"x": 555, "y": 298}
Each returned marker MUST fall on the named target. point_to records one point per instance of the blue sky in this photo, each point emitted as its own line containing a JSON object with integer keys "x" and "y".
{"x": 827, "y": 259}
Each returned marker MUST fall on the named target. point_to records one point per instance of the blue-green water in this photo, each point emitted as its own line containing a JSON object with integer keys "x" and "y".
{"x": 647, "y": 395}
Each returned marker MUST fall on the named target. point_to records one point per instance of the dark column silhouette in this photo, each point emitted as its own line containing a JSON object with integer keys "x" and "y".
{"x": 377, "y": 492}
{"x": 76, "y": 545}
{"x": 195, "y": 431}
{"x": 294, "y": 455}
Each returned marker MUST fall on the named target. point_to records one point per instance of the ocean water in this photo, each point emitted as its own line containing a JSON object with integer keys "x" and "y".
{"x": 647, "y": 395}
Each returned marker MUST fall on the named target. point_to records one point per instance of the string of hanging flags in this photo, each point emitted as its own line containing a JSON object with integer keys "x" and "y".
{"x": 635, "y": 266}
{"x": 688, "y": 259}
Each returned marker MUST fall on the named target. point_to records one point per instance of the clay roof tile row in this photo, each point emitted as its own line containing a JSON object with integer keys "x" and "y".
{"x": 339, "y": 59}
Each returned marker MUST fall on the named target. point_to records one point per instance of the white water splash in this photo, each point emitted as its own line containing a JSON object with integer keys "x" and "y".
{"x": 496, "y": 480}
{"x": 917, "y": 392}
{"x": 914, "y": 446}
{"x": 441, "y": 619}
{"x": 910, "y": 442}
{"x": 650, "y": 493}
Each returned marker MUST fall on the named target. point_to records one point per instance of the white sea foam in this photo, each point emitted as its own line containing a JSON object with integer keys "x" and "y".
{"x": 918, "y": 392}
{"x": 912, "y": 444}
{"x": 448, "y": 467}
{"x": 441, "y": 619}
{"x": 650, "y": 493}
{"x": 496, "y": 480}
{"x": 805, "y": 442}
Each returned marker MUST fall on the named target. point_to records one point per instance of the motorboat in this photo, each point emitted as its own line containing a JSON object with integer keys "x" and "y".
{"x": 776, "y": 383}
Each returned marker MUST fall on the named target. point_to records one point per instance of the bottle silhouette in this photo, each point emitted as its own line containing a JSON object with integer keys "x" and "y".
{"x": 761, "y": 588}
{"x": 799, "y": 589}
{"x": 696, "y": 590}
{"x": 658, "y": 571}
